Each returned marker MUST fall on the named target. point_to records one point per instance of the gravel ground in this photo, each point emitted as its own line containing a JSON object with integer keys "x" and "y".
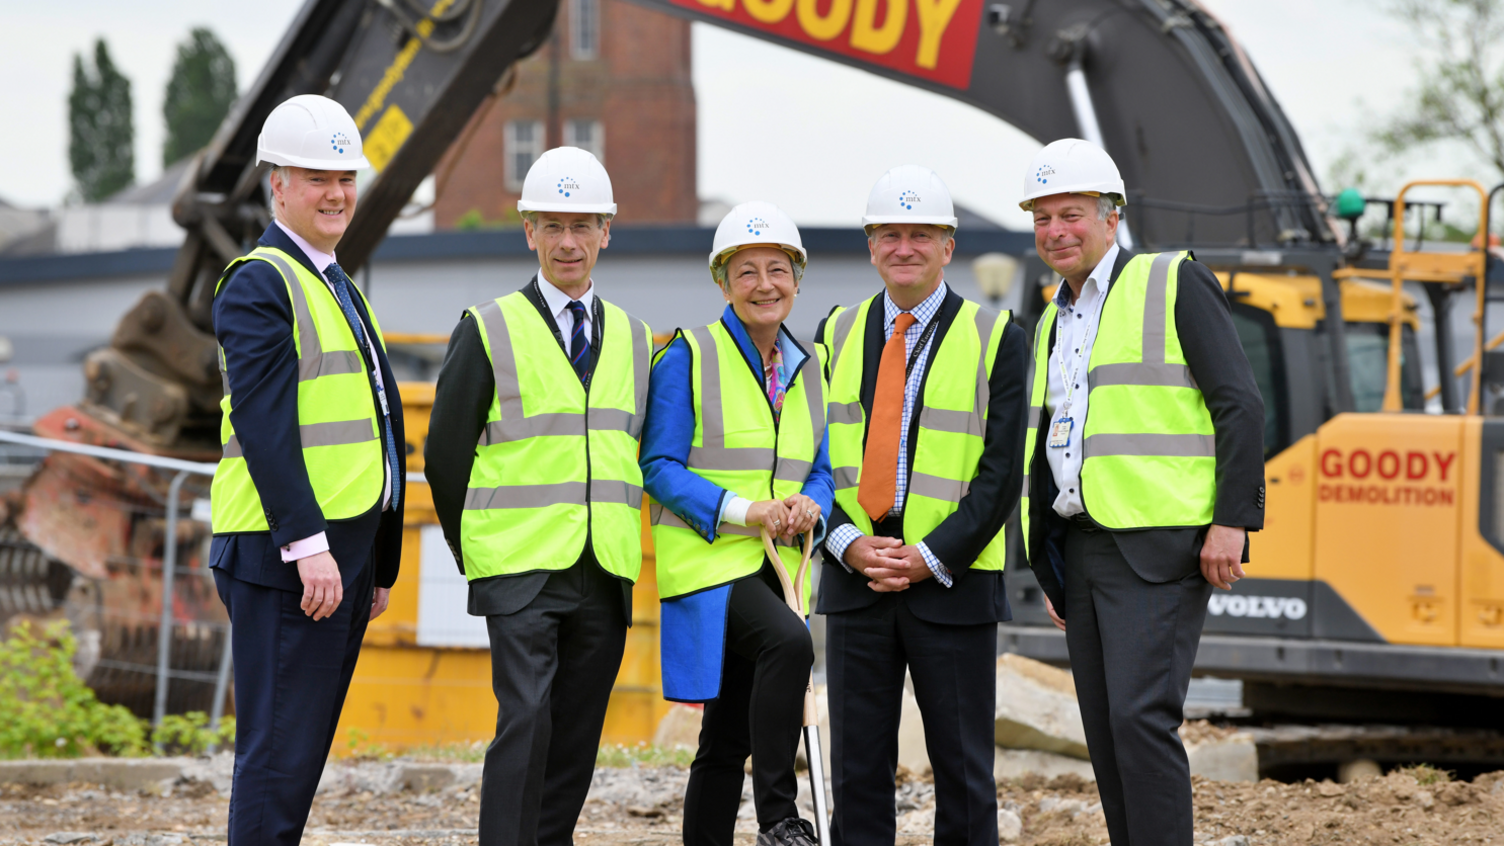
{"x": 643, "y": 807}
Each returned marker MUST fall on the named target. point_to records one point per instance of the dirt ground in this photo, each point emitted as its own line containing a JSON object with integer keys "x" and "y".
{"x": 643, "y": 808}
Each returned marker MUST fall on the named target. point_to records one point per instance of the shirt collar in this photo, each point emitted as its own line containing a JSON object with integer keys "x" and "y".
{"x": 558, "y": 301}
{"x": 922, "y": 312}
{"x": 319, "y": 259}
{"x": 1099, "y": 280}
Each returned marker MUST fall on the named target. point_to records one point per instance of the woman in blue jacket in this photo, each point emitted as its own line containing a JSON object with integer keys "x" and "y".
{"x": 734, "y": 441}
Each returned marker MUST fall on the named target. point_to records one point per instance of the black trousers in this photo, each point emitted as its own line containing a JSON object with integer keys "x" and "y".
{"x": 760, "y": 712}
{"x": 553, "y": 664}
{"x": 1132, "y": 645}
{"x": 954, "y": 669}
{"x": 291, "y": 676}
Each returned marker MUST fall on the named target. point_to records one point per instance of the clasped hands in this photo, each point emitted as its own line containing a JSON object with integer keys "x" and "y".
{"x": 785, "y": 518}
{"x": 888, "y": 562}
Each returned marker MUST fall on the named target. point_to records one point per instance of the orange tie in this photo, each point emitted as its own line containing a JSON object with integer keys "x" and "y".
{"x": 879, "y": 485}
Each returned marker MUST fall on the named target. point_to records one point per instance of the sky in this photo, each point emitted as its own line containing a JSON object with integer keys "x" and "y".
{"x": 1325, "y": 61}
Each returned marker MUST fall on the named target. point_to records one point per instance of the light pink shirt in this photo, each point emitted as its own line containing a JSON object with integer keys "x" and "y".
{"x": 309, "y": 546}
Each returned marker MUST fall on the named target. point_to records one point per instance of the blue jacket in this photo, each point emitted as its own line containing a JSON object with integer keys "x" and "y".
{"x": 253, "y": 324}
{"x": 692, "y": 629}
{"x": 670, "y": 428}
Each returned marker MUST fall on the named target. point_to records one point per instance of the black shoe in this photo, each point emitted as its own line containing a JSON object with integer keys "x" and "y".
{"x": 790, "y": 832}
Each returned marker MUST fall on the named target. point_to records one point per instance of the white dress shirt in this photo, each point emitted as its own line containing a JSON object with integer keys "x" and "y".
{"x": 300, "y": 549}
{"x": 843, "y": 536}
{"x": 1075, "y": 333}
{"x": 558, "y": 306}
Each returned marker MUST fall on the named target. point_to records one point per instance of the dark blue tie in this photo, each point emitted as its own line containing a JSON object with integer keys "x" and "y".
{"x": 341, "y": 283}
{"x": 579, "y": 344}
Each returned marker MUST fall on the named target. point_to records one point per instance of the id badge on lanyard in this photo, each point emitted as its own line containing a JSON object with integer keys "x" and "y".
{"x": 1060, "y": 433}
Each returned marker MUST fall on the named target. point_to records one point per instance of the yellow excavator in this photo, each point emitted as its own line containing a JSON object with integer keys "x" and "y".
{"x": 1376, "y": 590}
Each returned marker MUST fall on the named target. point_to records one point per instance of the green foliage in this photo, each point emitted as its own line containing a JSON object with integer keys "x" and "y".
{"x": 644, "y": 755}
{"x": 199, "y": 95}
{"x": 49, "y": 712}
{"x": 1459, "y": 94}
{"x": 189, "y": 734}
{"x": 362, "y": 749}
{"x": 1425, "y": 774}
{"x": 101, "y": 134}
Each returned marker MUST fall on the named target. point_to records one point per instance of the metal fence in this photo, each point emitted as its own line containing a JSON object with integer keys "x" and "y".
{"x": 162, "y": 670}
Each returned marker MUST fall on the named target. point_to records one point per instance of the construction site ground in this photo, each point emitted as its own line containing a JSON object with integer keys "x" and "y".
{"x": 375, "y": 803}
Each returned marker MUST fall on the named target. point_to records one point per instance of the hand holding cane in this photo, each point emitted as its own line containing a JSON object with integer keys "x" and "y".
{"x": 793, "y": 594}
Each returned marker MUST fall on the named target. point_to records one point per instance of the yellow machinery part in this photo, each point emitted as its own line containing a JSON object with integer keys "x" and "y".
{"x": 1481, "y": 599}
{"x": 404, "y": 695}
{"x": 1283, "y": 550}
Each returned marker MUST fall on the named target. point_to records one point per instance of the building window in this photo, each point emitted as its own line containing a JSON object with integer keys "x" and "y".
{"x": 584, "y": 29}
{"x": 524, "y": 143}
{"x": 587, "y": 135}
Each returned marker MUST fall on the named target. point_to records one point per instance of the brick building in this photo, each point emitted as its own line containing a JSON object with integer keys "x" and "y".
{"x": 615, "y": 80}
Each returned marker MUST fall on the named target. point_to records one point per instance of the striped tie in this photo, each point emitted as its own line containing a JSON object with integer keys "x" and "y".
{"x": 341, "y": 283}
{"x": 579, "y": 345}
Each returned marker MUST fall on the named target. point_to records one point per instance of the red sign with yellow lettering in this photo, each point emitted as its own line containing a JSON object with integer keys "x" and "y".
{"x": 930, "y": 39}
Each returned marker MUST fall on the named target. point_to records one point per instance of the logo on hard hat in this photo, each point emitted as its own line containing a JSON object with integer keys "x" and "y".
{"x": 567, "y": 184}
{"x": 338, "y": 142}
{"x": 907, "y": 199}
{"x": 1044, "y": 170}
{"x": 756, "y": 225}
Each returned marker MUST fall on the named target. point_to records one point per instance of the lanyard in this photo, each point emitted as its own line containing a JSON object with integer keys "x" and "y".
{"x": 924, "y": 338}
{"x": 369, "y": 350}
{"x": 1084, "y": 343}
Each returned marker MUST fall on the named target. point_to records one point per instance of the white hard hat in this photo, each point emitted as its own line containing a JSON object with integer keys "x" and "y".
{"x": 757, "y": 223}
{"x": 1072, "y": 166}
{"x": 313, "y": 132}
{"x": 909, "y": 194}
{"x": 567, "y": 179}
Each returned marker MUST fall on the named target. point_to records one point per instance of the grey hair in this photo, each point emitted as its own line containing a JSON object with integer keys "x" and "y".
{"x": 718, "y": 270}
{"x": 532, "y": 217}
{"x": 1106, "y": 205}
{"x": 279, "y": 173}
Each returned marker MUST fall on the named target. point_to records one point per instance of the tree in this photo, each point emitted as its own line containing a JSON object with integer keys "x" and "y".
{"x": 199, "y": 94}
{"x": 1460, "y": 97}
{"x": 101, "y": 143}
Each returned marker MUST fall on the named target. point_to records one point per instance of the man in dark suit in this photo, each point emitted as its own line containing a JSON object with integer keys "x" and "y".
{"x": 1138, "y": 509}
{"x": 926, "y": 433}
{"x": 532, "y": 458}
{"x": 307, "y": 503}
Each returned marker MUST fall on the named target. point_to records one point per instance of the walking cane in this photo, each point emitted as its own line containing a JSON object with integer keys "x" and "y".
{"x": 793, "y": 594}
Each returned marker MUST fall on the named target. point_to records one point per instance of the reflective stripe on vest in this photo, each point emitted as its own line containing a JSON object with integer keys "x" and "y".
{"x": 343, "y": 455}
{"x": 753, "y": 458}
{"x": 554, "y": 468}
{"x": 952, "y": 421}
{"x": 1148, "y": 444}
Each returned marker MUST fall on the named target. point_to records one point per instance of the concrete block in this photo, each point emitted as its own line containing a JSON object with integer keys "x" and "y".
{"x": 119, "y": 773}
{"x": 421, "y": 778}
{"x": 679, "y": 728}
{"x": 1037, "y": 709}
{"x": 35, "y": 772}
{"x": 1009, "y": 764}
{"x": 1231, "y": 758}
{"x": 127, "y": 773}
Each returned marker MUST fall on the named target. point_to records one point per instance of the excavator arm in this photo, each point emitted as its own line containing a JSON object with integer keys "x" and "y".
{"x": 411, "y": 74}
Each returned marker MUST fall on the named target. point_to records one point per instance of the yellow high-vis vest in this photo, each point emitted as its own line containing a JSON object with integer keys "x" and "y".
{"x": 952, "y": 421}
{"x": 1148, "y": 447}
{"x": 738, "y": 447}
{"x": 555, "y": 467}
{"x": 337, "y": 415}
